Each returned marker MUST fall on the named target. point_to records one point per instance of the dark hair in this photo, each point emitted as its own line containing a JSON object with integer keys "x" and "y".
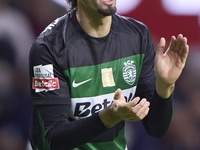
{"x": 73, "y": 4}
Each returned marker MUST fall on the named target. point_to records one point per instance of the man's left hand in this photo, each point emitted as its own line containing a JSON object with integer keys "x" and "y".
{"x": 169, "y": 64}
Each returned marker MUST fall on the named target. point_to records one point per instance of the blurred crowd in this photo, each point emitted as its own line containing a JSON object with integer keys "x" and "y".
{"x": 21, "y": 21}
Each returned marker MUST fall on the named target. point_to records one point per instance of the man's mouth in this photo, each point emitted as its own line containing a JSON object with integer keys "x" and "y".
{"x": 108, "y": 2}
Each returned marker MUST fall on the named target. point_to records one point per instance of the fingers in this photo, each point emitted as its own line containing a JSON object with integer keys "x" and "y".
{"x": 131, "y": 111}
{"x": 117, "y": 94}
{"x": 183, "y": 52}
{"x": 133, "y": 102}
{"x": 141, "y": 109}
{"x": 144, "y": 109}
{"x": 178, "y": 43}
{"x": 181, "y": 47}
{"x": 161, "y": 46}
{"x": 172, "y": 42}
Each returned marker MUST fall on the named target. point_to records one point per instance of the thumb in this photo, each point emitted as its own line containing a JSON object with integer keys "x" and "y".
{"x": 118, "y": 94}
{"x": 161, "y": 46}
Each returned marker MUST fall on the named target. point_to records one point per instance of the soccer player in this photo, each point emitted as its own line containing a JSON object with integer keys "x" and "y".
{"x": 91, "y": 70}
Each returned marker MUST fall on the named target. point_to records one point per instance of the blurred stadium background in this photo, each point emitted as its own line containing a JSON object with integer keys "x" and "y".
{"x": 21, "y": 21}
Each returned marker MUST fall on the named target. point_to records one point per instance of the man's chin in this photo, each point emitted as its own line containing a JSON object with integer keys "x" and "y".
{"x": 108, "y": 12}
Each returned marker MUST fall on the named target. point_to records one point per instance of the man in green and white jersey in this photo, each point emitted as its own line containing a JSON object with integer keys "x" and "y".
{"x": 91, "y": 70}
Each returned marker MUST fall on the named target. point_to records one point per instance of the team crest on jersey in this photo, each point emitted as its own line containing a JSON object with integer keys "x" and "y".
{"x": 107, "y": 77}
{"x": 129, "y": 72}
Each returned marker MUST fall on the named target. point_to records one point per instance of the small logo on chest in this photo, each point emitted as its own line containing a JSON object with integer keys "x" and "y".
{"x": 129, "y": 72}
{"x": 107, "y": 77}
{"x": 74, "y": 84}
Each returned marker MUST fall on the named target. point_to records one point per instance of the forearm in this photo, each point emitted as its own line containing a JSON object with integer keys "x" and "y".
{"x": 158, "y": 120}
{"x": 63, "y": 134}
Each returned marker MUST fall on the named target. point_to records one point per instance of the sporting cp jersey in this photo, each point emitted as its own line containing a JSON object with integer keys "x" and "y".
{"x": 69, "y": 67}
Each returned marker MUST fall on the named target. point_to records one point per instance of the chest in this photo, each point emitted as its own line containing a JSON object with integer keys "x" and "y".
{"x": 104, "y": 65}
{"x": 97, "y": 70}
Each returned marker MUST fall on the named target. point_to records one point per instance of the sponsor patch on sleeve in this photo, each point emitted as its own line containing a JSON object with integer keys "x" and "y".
{"x": 44, "y": 79}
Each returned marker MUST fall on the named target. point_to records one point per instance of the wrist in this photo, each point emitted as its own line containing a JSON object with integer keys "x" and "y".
{"x": 108, "y": 117}
{"x": 163, "y": 89}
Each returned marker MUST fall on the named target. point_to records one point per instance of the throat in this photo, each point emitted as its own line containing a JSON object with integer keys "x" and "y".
{"x": 95, "y": 26}
{"x": 100, "y": 31}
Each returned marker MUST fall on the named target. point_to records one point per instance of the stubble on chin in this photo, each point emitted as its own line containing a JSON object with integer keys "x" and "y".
{"x": 108, "y": 12}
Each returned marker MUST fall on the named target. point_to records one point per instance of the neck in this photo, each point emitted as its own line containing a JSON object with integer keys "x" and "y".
{"x": 93, "y": 23}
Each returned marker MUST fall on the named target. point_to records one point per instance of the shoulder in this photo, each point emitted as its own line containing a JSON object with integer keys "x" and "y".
{"x": 130, "y": 25}
{"x": 61, "y": 33}
{"x": 52, "y": 35}
{"x": 55, "y": 27}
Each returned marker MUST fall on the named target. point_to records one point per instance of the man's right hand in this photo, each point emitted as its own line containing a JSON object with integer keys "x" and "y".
{"x": 121, "y": 110}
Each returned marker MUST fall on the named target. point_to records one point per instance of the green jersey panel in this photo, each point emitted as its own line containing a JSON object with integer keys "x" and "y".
{"x": 119, "y": 143}
{"x": 90, "y": 81}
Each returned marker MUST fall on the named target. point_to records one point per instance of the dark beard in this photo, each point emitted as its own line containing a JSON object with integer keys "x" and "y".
{"x": 107, "y": 12}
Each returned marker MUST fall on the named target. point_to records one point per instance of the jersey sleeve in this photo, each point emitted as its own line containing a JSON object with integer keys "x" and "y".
{"x": 48, "y": 84}
{"x": 51, "y": 127}
{"x": 158, "y": 119}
